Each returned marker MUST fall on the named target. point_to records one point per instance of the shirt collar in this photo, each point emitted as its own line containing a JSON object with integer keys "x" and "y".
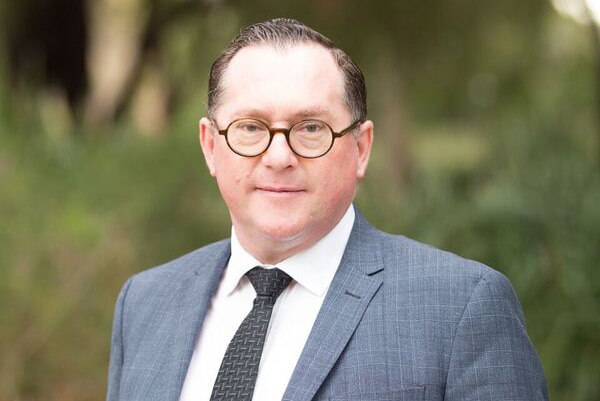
{"x": 312, "y": 268}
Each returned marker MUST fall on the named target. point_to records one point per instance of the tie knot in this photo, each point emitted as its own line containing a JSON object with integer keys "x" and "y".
{"x": 268, "y": 282}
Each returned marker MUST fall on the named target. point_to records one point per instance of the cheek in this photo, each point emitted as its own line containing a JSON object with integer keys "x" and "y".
{"x": 229, "y": 167}
{"x": 233, "y": 175}
{"x": 232, "y": 178}
{"x": 337, "y": 181}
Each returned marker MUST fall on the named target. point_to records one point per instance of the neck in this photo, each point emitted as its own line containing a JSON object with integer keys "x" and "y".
{"x": 269, "y": 251}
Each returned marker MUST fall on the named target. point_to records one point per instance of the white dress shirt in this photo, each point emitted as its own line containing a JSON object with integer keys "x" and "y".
{"x": 294, "y": 313}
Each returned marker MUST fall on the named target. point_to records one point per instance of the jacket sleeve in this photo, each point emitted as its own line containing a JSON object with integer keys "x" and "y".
{"x": 117, "y": 349}
{"x": 492, "y": 357}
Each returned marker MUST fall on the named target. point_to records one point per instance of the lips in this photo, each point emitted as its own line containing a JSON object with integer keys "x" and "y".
{"x": 279, "y": 189}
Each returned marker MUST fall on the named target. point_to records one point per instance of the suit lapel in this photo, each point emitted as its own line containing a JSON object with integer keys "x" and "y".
{"x": 351, "y": 290}
{"x": 185, "y": 311}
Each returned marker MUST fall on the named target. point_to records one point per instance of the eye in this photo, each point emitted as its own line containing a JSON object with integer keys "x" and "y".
{"x": 250, "y": 126}
{"x": 311, "y": 127}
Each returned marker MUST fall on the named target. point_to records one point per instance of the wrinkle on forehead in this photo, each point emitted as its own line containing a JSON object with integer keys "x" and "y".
{"x": 317, "y": 112}
{"x": 262, "y": 111}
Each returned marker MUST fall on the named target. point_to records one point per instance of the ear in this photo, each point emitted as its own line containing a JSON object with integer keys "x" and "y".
{"x": 207, "y": 141}
{"x": 364, "y": 143}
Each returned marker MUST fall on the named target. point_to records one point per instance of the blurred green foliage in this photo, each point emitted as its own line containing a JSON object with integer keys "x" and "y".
{"x": 487, "y": 144}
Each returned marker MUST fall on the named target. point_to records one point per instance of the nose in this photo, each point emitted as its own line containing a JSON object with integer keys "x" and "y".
{"x": 279, "y": 155}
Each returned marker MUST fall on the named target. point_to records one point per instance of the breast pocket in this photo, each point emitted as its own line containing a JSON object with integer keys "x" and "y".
{"x": 405, "y": 394}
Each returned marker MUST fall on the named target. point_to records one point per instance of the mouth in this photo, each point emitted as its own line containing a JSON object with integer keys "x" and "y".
{"x": 279, "y": 190}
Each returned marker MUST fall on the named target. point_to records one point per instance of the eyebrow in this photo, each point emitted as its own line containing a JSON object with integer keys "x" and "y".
{"x": 311, "y": 113}
{"x": 320, "y": 112}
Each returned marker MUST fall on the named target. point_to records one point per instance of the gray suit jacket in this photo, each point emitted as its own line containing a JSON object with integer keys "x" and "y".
{"x": 401, "y": 321}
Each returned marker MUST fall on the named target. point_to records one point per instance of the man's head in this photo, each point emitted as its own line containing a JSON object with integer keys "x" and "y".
{"x": 281, "y": 203}
{"x": 281, "y": 33}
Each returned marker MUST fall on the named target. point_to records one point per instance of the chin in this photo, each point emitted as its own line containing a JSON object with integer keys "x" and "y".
{"x": 284, "y": 229}
{"x": 281, "y": 233}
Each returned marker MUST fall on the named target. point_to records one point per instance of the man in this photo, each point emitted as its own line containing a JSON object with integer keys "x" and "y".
{"x": 352, "y": 313}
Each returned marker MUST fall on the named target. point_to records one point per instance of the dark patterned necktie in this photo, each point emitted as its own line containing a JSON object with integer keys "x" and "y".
{"x": 238, "y": 371}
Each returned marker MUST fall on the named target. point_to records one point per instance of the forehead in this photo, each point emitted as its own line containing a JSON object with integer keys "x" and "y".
{"x": 280, "y": 81}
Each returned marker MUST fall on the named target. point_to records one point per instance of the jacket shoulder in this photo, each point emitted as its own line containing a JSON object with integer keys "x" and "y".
{"x": 195, "y": 262}
{"x": 412, "y": 264}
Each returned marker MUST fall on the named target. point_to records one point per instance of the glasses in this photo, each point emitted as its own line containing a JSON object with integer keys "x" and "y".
{"x": 308, "y": 138}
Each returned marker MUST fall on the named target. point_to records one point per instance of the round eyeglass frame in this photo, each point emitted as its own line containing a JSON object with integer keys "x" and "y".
{"x": 286, "y": 133}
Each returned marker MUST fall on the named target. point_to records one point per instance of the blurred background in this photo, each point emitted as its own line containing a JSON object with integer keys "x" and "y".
{"x": 487, "y": 119}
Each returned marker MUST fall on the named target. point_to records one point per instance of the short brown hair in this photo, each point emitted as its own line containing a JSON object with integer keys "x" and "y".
{"x": 282, "y": 32}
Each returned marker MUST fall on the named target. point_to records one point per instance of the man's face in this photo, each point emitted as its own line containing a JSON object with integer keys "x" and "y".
{"x": 281, "y": 203}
